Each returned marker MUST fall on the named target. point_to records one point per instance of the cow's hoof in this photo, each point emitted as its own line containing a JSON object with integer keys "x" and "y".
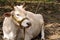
{"x": 43, "y": 39}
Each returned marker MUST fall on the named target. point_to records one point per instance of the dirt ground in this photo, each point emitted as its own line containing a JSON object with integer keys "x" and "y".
{"x": 51, "y": 14}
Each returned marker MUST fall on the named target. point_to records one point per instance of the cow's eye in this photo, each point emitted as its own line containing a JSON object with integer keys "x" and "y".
{"x": 18, "y": 15}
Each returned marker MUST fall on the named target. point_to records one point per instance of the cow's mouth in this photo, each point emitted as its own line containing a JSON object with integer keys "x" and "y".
{"x": 27, "y": 23}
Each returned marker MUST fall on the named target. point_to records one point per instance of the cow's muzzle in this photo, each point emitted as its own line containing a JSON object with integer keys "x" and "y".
{"x": 28, "y": 23}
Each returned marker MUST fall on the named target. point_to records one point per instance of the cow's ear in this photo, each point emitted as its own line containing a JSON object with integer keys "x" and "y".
{"x": 8, "y": 14}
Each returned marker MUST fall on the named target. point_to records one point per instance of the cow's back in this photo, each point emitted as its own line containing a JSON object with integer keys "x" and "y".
{"x": 37, "y": 21}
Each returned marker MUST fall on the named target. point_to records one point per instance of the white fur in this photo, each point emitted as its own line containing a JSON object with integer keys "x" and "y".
{"x": 37, "y": 26}
{"x": 9, "y": 27}
{"x": 24, "y": 23}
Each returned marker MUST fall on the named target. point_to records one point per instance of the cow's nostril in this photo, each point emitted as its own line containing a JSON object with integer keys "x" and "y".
{"x": 29, "y": 24}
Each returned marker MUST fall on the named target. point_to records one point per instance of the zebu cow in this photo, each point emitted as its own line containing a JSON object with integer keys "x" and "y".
{"x": 20, "y": 18}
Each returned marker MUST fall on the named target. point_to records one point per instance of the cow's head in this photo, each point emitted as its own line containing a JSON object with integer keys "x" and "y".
{"x": 19, "y": 16}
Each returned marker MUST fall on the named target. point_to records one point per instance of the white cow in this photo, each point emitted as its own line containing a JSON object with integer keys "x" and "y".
{"x": 20, "y": 18}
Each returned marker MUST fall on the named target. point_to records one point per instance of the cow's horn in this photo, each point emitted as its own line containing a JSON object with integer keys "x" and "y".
{"x": 24, "y": 4}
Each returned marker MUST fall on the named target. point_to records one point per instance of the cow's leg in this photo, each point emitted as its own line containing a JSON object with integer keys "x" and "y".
{"x": 5, "y": 39}
{"x": 42, "y": 33}
{"x": 8, "y": 36}
{"x": 27, "y": 37}
{"x": 5, "y": 36}
{"x": 8, "y": 39}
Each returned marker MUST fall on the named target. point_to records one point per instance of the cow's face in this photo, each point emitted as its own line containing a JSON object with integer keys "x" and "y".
{"x": 19, "y": 17}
